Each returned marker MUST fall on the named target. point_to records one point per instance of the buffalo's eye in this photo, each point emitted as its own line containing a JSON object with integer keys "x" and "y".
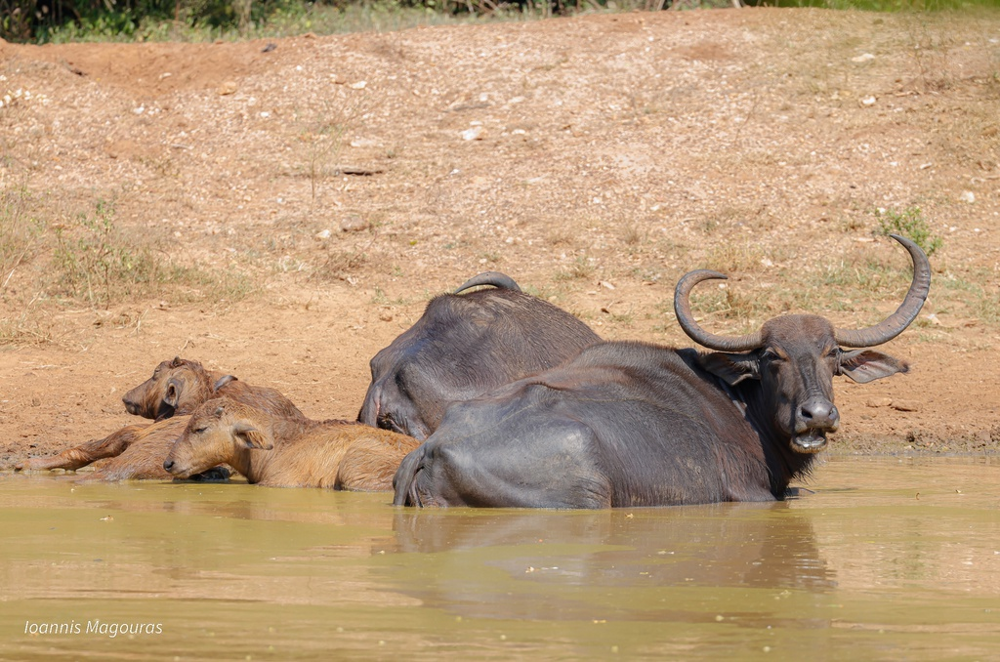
{"x": 770, "y": 356}
{"x": 387, "y": 422}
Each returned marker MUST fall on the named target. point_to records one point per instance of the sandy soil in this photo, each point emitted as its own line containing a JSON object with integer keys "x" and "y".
{"x": 594, "y": 159}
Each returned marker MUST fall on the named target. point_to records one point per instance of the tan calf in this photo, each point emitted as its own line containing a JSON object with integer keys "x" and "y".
{"x": 177, "y": 387}
{"x": 180, "y": 385}
{"x": 278, "y": 452}
{"x": 143, "y": 459}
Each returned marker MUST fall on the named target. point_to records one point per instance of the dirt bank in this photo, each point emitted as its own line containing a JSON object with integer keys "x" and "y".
{"x": 345, "y": 180}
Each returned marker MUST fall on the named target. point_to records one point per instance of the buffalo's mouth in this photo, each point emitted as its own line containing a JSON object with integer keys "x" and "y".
{"x": 810, "y": 441}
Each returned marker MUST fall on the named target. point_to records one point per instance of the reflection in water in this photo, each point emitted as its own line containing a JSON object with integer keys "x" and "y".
{"x": 185, "y": 541}
{"x": 888, "y": 560}
{"x": 545, "y": 554}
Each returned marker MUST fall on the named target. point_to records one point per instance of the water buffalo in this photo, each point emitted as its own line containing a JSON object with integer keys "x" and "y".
{"x": 176, "y": 388}
{"x": 634, "y": 424}
{"x": 282, "y": 452}
{"x": 463, "y": 346}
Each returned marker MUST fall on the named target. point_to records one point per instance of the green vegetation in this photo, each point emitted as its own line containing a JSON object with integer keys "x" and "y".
{"x": 94, "y": 261}
{"x": 97, "y": 263}
{"x": 861, "y": 279}
{"x": 20, "y": 239}
{"x": 882, "y": 5}
{"x": 731, "y": 258}
{"x": 320, "y": 137}
{"x": 911, "y": 224}
{"x": 581, "y": 268}
{"x": 19, "y": 233}
{"x": 339, "y": 263}
{"x": 988, "y": 308}
{"x": 89, "y": 260}
{"x": 744, "y": 307}
{"x": 209, "y": 20}
{"x": 973, "y": 294}
{"x": 39, "y": 21}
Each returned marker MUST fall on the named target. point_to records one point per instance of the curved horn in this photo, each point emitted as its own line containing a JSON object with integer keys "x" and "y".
{"x": 682, "y": 308}
{"x": 494, "y": 278}
{"x": 894, "y": 325}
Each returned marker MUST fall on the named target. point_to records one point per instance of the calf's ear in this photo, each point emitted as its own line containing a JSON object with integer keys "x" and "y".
{"x": 171, "y": 396}
{"x": 222, "y": 381}
{"x": 252, "y": 437}
{"x": 173, "y": 393}
{"x": 732, "y": 368}
{"x": 867, "y": 365}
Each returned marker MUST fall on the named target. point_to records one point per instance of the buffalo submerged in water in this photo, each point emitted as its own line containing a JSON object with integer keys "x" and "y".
{"x": 634, "y": 424}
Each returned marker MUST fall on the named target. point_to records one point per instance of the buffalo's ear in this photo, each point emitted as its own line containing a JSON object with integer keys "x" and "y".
{"x": 867, "y": 365}
{"x": 251, "y": 436}
{"x": 732, "y": 368}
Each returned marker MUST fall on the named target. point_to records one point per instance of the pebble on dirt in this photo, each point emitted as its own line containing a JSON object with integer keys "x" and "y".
{"x": 353, "y": 223}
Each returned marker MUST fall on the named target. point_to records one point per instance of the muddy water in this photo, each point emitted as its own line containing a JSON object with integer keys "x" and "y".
{"x": 888, "y": 560}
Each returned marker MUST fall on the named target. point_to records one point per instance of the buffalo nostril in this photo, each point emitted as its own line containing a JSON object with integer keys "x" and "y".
{"x": 168, "y": 465}
{"x": 819, "y": 413}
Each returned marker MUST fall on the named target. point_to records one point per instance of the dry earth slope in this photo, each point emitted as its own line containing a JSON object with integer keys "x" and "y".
{"x": 347, "y": 179}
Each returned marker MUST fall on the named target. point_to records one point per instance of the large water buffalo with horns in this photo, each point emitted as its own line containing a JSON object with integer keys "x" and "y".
{"x": 634, "y": 424}
{"x": 463, "y": 346}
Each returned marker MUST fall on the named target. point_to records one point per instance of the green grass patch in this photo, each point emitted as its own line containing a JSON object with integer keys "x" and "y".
{"x": 881, "y": 5}
{"x": 987, "y": 308}
{"x": 740, "y": 311}
{"x": 730, "y": 258}
{"x": 20, "y": 233}
{"x": 581, "y": 268}
{"x": 230, "y": 20}
{"x": 240, "y": 19}
{"x": 97, "y": 263}
{"x": 909, "y": 223}
{"x": 91, "y": 260}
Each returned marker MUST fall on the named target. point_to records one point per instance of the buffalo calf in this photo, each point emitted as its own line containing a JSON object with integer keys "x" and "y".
{"x": 281, "y": 452}
{"x": 176, "y": 388}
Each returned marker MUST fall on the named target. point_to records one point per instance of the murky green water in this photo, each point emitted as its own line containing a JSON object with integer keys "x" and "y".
{"x": 888, "y": 560}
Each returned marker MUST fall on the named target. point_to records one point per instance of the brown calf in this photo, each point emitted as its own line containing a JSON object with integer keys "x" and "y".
{"x": 278, "y": 452}
{"x": 143, "y": 458}
{"x": 177, "y": 387}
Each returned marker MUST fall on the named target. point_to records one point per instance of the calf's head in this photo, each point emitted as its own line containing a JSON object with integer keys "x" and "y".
{"x": 176, "y": 387}
{"x": 794, "y": 358}
{"x": 220, "y": 430}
